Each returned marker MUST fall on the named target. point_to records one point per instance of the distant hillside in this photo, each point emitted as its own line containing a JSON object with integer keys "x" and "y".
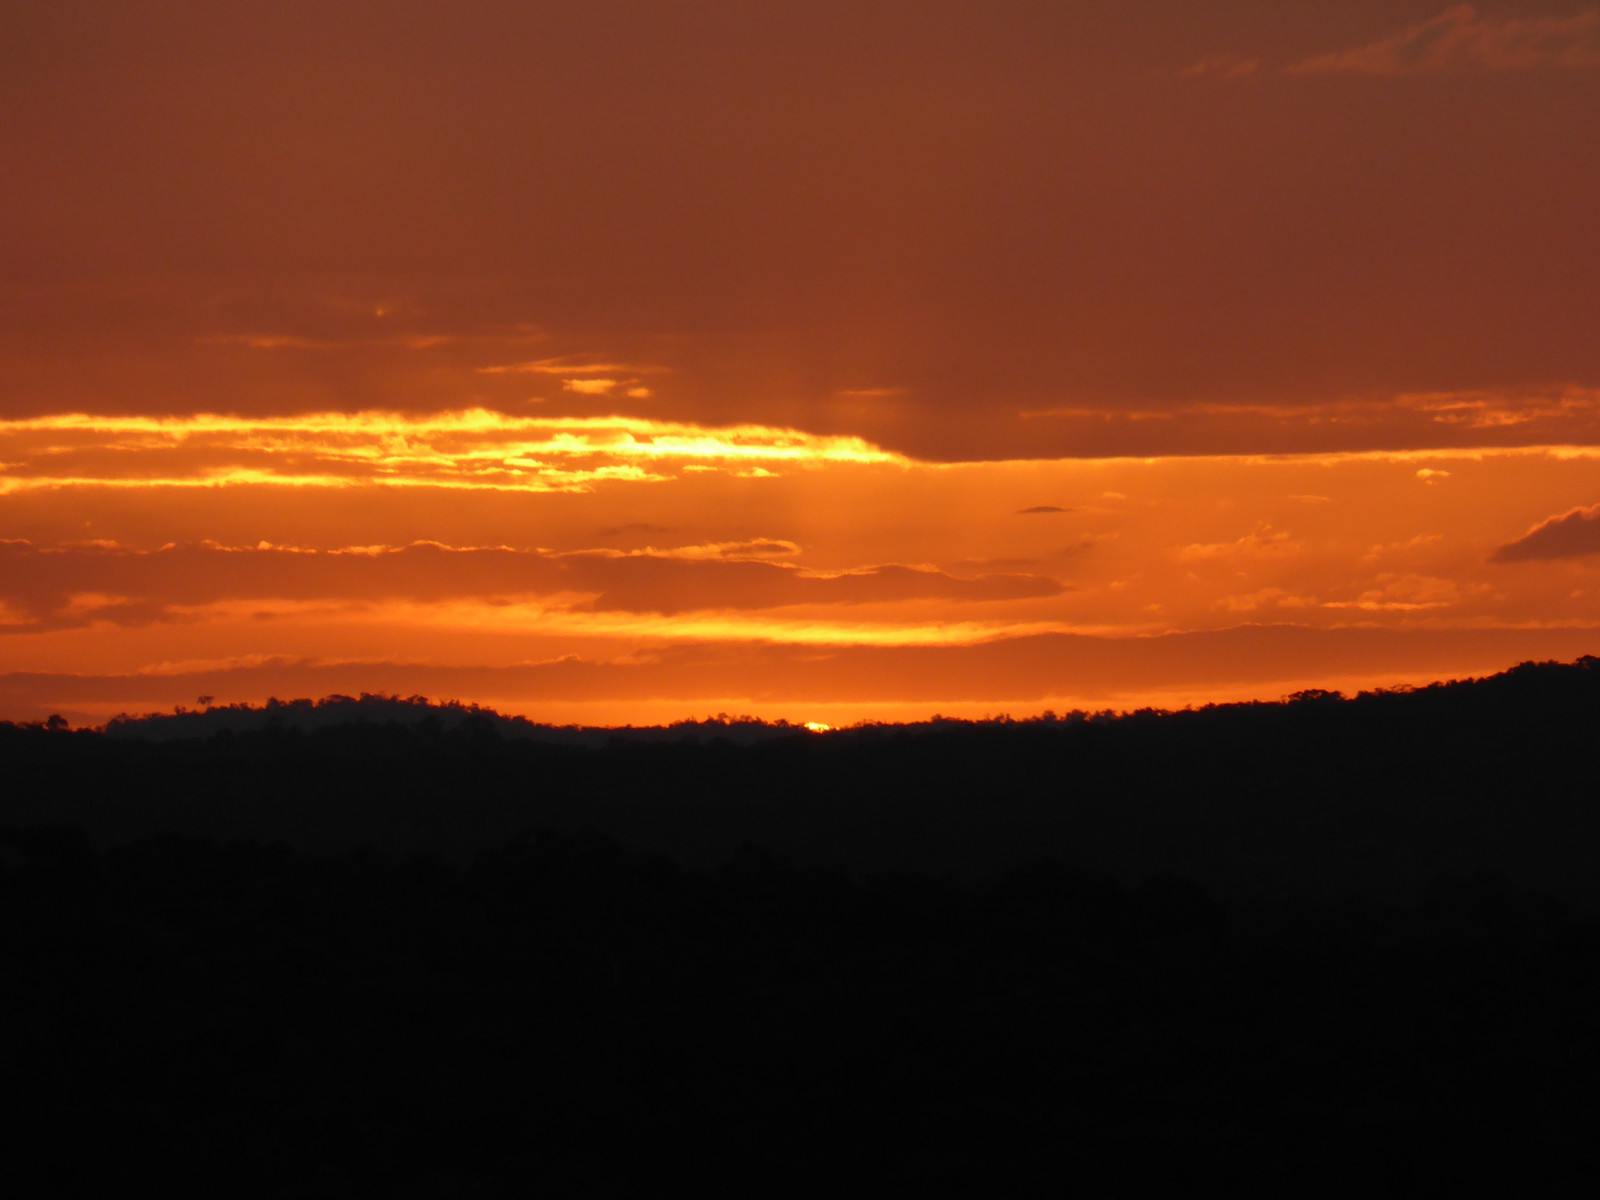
{"x": 1541, "y": 684}
{"x": 331, "y": 712}
{"x": 1376, "y": 794}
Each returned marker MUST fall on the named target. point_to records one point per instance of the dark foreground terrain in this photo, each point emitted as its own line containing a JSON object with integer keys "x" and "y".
{"x": 1303, "y": 947}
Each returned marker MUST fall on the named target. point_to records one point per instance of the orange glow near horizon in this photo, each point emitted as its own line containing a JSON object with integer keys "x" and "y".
{"x": 971, "y": 589}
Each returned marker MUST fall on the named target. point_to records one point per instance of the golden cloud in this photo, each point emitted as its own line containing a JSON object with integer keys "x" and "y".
{"x": 472, "y": 448}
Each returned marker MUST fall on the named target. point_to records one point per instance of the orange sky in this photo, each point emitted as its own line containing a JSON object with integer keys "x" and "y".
{"x": 623, "y": 361}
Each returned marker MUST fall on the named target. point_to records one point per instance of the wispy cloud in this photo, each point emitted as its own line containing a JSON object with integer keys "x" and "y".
{"x": 1460, "y": 40}
{"x": 1549, "y": 415}
{"x": 1221, "y": 66}
{"x": 68, "y": 587}
{"x": 575, "y": 364}
{"x": 1456, "y": 41}
{"x": 1261, "y": 542}
{"x": 1404, "y": 593}
{"x": 406, "y": 341}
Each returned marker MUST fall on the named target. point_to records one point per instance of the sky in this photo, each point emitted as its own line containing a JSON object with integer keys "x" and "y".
{"x": 624, "y": 361}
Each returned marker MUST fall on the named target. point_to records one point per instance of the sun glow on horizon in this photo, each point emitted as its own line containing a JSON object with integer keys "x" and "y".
{"x": 843, "y": 576}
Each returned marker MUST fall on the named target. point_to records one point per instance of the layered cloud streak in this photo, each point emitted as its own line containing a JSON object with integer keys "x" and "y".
{"x": 81, "y": 585}
{"x": 476, "y": 448}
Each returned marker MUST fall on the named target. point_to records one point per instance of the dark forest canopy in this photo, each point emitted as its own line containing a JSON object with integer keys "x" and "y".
{"x": 308, "y": 715}
{"x": 1375, "y": 793}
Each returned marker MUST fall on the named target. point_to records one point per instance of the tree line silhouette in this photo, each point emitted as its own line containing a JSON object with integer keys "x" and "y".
{"x": 1301, "y": 945}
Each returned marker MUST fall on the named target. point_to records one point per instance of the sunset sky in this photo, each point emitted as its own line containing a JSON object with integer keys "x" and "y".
{"x": 631, "y": 360}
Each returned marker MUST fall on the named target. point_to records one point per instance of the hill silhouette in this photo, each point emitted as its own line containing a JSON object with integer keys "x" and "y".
{"x": 331, "y": 712}
{"x": 1289, "y": 946}
{"x": 1374, "y": 794}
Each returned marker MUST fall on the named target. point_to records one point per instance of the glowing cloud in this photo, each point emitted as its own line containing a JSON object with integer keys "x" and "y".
{"x": 474, "y": 448}
{"x": 574, "y": 365}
